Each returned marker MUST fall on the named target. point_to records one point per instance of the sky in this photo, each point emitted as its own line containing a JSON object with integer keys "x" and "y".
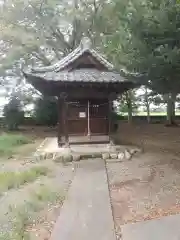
{"x": 3, "y": 100}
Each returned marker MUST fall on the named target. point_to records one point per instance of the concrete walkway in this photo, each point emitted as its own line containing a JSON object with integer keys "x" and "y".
{"x": 86, "y": 213}
{"x": 165, "y": 228}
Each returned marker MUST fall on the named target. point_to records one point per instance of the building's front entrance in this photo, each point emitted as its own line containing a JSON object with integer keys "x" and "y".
{"x": 88, "y": 117}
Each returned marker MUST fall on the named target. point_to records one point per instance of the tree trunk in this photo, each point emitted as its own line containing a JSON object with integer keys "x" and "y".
{"x": 147, "y": 106}
{"x": 129, "y": 106}
{"x": 171, "y": 109}
{"x": 148, "y": 113}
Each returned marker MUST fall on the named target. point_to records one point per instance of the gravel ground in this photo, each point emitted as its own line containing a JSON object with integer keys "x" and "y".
{"x": 146, "y": 187}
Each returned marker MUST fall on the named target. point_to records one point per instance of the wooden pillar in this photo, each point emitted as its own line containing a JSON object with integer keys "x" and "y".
{"x": 60, "y": 127}
{"x": 65, "y": 118}
{"x": 63, "y": 135}
{"x": 110, "y": 119}
{"x": 88, "y": 116}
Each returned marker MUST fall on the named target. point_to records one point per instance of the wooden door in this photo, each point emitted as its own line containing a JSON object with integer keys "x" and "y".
{"x": 77, "y": 118}
{"x": 84, "y": 113}
{"x": 99, "y": 117}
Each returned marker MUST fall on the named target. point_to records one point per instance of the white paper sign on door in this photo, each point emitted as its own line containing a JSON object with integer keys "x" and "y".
{"x": 82, "y": 115}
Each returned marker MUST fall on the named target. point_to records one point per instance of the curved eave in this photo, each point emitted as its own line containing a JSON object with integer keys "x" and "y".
{"x": 46, "y": 86}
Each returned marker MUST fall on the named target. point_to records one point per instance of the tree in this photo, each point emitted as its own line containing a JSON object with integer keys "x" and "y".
{"x": 35, "y": 33}
{"x": 47, "y": 30}
{"x": 13, "y": 114}
{"x": 147, "y": 104}
{"x": 146, "y": 98}
{"x": 45, "y": 112}
{"x": 147, "y": 44}
{"x": 127, "y": 103}
{"x": 170, "y": 100}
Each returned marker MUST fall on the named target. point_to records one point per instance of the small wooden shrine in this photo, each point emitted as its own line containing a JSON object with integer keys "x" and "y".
{"x": 86, "y": 85}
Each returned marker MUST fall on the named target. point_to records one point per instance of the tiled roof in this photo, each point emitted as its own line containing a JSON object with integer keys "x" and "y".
{"x": 58, "y": 72}
{"x": 84, "y": 47}
{"x": 81, "y": 75}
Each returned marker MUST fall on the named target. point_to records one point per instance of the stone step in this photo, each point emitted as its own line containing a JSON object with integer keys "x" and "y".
{"x": 82, "y": 153}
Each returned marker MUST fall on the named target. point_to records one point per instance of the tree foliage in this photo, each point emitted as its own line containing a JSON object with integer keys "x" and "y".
{"x": 139, "y": 36}
{"x": 13, "y": 114}
{"x": 146, "y": 45}
{"x": 123, "y": 102}
{"x": 147, "y": 42}
{"x": 40, "y": 32}
{"x": 45, "y": 112}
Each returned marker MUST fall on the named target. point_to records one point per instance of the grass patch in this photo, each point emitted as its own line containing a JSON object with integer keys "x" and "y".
{"x": 9, "y": 180}
{"x": 26, "y": 216}
{"x": 9, "y": 143}
{"x": 44, "y": 194}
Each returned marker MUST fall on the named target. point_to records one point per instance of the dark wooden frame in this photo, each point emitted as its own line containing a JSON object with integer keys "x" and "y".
{"x": 85, "y": 89}
{"x": 63, "y": 133}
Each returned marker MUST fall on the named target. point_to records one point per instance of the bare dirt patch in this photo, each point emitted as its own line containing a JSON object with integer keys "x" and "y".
{"x": 154, "y": 137}
{"x": 44, "y": 226}
{"x": 146, "y": 187}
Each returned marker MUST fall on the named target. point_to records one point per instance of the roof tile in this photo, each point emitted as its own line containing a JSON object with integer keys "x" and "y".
{"x": 81, "y": 75}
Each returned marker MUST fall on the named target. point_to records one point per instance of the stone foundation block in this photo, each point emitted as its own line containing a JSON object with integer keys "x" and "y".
{"x": 114, "y": 155}
{"x": 76, "y": 158}
{"x": 127, "y": 155}
{"x": 105, "y": 156}
{"x": 121, "y": 156}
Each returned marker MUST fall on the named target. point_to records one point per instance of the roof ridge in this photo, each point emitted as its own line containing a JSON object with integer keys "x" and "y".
{"x": 84, "y": 46}
{"x": 67, "y": 58}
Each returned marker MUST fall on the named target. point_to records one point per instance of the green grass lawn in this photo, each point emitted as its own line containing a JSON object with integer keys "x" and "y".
{"x": 10, "y": 142}
{"x": 9, "y": 180}
{"x": 152, "y": 114}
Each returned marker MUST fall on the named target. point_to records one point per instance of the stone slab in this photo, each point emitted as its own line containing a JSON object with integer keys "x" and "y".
{"x": 52, "y": 146}
{"x": 165, "y": 228}
{"x": 86, "y": 213}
